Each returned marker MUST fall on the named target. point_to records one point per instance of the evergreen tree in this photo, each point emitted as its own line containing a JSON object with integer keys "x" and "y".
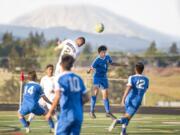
{"x": 87, "y": 49}
{"x": 7, "y": 38}
{"x": 152, "y": 50}
{"x": 173, "y": 49}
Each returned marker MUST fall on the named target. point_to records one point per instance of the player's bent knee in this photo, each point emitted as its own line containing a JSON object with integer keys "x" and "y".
{"x": 19, "y": 115}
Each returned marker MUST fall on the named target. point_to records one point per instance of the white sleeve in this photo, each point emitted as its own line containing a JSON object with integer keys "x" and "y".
{"x": 57, "y": 86}
{"x": 61, "y": 45}
{"x": 129, "y": 81}
{"x": 42, "y": 83}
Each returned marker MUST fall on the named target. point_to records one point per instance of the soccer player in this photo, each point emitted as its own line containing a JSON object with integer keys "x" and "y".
{"x": 47, "y": 84}
{"x": 31, "y": 95}
{"x": 133, "y": 96}
{"x": 100, "y": 80}
{"x": 69, "y": 47}
{"x": 70, "y": 93}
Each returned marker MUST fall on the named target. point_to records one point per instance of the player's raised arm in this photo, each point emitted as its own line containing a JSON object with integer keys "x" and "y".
{"x": 90, "y": 70}
{"x": 118, "y": 64}
{"x": 59, "y": 46}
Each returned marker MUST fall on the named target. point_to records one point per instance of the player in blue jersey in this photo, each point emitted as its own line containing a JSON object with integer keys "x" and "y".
{"x": 100, "y": 80}
{"x": 70, "y": 93}
{"x": 32, "y": 93}
{"x": 133, "y": 96}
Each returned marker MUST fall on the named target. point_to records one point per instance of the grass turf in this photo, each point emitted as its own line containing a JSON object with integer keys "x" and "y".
{"x": 140, "y": 125}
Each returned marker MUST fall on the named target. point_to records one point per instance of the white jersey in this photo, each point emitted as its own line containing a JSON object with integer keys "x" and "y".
{"x": 47, "y": 84}
{"x": 68, "y": 47}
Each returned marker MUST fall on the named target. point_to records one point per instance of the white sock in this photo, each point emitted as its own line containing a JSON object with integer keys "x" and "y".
{"x": 31, "y": 117}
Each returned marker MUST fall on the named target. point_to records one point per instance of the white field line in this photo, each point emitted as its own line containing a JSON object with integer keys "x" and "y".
{"x": 99, "y": 118}
{"x": 140, "y": 130}
{"x": 171, "y": 123}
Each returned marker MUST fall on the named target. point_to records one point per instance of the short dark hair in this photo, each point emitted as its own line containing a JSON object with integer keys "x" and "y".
{"x": 83, "y": 39}
{"x": 102, "y": 48}
{"x": 32, "y": 75}
{"x": 139, "y": 67}
{"x": 49, "y": 65}
{"x": 67, "y": 62}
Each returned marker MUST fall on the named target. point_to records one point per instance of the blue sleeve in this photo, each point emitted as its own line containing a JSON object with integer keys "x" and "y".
{"x": 62, "y": 84}
{"x": 94, "y": 64}
{"x": 109, "y": 59}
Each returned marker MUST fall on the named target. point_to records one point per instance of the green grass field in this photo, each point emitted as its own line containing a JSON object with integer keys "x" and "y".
{"x": 140, "y": 125}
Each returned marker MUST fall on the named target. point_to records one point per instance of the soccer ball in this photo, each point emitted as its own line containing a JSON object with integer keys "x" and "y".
{"x": 99, "y": 27}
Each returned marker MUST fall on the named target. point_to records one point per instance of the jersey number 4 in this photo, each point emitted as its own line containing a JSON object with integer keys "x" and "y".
{"x": 74, "y": 84}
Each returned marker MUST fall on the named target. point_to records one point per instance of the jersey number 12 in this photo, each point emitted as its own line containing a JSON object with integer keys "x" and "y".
{"x": 140, "y": 84}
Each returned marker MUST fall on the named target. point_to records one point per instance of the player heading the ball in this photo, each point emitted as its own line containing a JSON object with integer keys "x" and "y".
{"x": 69, "y": 47}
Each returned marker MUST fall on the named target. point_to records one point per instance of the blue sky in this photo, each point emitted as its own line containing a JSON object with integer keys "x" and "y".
{"x": 162, "y": 15}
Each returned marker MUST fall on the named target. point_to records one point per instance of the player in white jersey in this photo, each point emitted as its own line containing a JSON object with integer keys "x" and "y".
{"x": 47, "y": 84}
{"x": 69, "y": 47}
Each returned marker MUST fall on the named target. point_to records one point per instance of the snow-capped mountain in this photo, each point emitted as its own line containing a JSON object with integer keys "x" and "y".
{"x": 70, "y": 21}
{"x": 83, "y": 18}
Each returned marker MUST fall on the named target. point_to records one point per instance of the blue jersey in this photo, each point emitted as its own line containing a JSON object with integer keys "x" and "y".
{"x": 72, "y": 89}
{"x": 32, "y": 94}
{"x": 139, "y": 84}
{"x": 101, "y": 66}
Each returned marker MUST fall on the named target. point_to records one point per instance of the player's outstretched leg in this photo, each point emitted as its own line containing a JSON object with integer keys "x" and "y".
{"x": 107, "y": 105}
{"x": 124, "y": 121}
{"x": 24, "y": 122}
{"x": 93, "y": 103}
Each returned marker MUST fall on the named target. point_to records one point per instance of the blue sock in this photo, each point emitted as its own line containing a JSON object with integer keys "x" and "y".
{"x": 93, "y": 103}
{"x": 123, "y": 120}
{"x": 51, "y": 123}
{"x": 23, "y": 122}
{"x": 123, "y": 130}
{"x": 106, "y": 105}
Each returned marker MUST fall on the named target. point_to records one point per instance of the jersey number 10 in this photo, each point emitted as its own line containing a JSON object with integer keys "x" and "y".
{"x": 74, "y": 84}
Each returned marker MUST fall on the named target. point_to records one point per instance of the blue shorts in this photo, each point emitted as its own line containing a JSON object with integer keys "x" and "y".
{"x": 37, "y": 110}
{"x": 101, "y": 83}
{"x": 130, "y": 109}
{"x": 68, "y": 128}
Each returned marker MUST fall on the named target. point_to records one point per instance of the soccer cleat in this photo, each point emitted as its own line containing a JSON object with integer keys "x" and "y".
{"x": 113, "y": 125}
{"x": 111, "y": 116}
{"x": 27, "y": 130}
{"x": 92, "y": 115}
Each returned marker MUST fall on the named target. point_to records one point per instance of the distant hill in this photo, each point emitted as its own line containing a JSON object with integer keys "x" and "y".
{"x": 114, "y": 41}
{"x": 70, "y": 21}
